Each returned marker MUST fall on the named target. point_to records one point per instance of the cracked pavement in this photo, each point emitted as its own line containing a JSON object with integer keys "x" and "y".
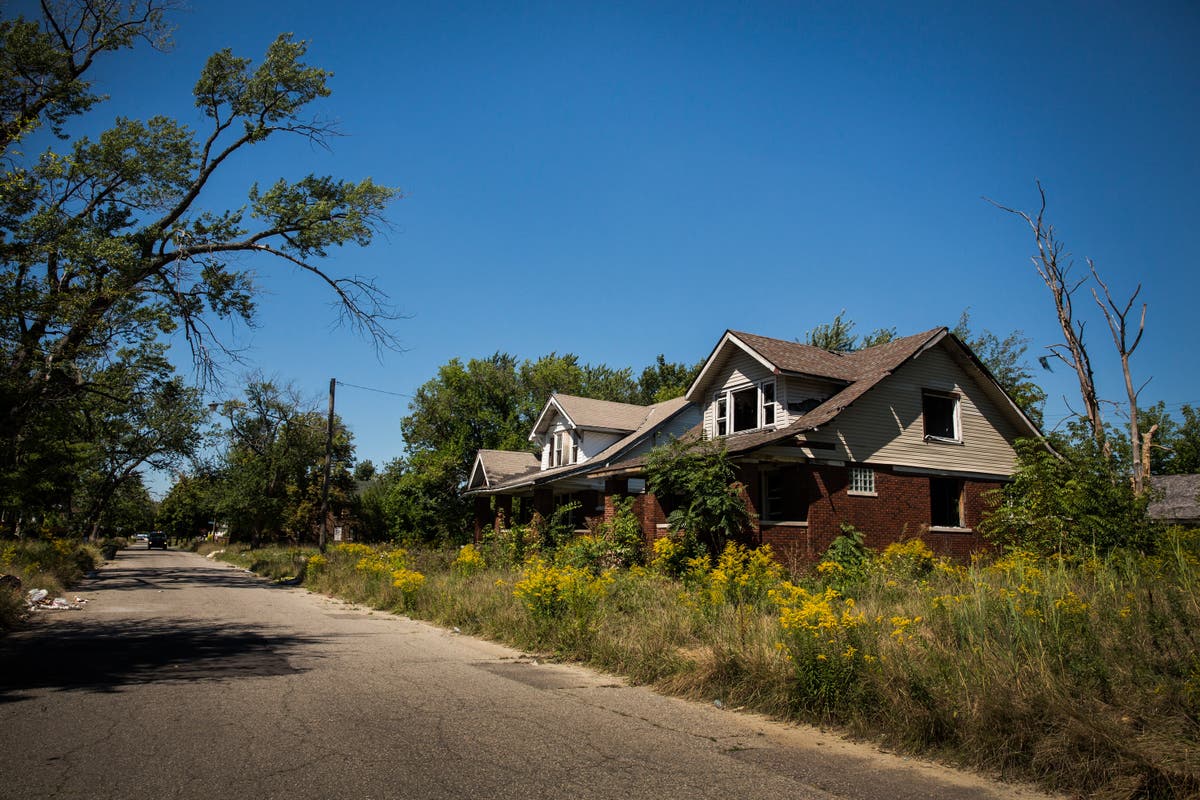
{"x": 189, "y": 678}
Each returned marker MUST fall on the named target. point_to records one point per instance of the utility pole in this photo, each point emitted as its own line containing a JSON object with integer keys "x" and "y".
{"x": 328, "y": 459}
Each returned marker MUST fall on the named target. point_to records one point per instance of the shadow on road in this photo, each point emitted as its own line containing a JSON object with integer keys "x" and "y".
{"x": 95, "y": 657}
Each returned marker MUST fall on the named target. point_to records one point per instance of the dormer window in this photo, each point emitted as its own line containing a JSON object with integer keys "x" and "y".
{"x": 744, "y": 409}
{"x": 564, "y": 449}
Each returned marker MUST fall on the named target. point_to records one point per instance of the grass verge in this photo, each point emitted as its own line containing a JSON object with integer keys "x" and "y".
{"x": 1082, "y": 675}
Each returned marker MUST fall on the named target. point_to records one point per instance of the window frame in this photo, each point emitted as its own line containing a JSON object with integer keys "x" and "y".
{"x": 960, "y": 503}
{"x": 867, "y": 476}
{"x": 955, "y": 415}
{"x": 723, "y": 408}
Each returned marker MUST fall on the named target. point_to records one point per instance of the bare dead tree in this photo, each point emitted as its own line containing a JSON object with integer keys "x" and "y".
{"x": 1054, "y": 267}
{"x": 1118, "y": 321}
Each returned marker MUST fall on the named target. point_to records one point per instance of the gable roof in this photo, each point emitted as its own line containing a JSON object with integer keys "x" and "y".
{"x": 860, "y": 370}
{"x": 652, "y": 417}
{"x": 589, "y": 414}
{"x": 500, "y": 466}
{"x": 1175, "y": 498}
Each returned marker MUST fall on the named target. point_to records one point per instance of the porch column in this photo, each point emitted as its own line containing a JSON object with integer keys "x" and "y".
{"x": 543, "y": 501}
{"x": 613, "y": 488}
{"x": 483, "y": 515}
{"x": 503, "y": 511}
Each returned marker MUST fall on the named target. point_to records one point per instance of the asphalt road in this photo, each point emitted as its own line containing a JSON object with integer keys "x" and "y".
{"x": 188, "y": 678}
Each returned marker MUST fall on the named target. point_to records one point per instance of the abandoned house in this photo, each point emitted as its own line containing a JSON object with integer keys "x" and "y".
{"x": 900, "y": 440}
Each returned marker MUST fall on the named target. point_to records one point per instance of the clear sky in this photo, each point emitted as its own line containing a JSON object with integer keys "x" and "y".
{"x": 619, "y": 180}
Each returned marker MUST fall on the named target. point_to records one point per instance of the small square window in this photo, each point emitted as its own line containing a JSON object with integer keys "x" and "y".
{"x": 862, "y": 480}
{"x": 940, "y": 414}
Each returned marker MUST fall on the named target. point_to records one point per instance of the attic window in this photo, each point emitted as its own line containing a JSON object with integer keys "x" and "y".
{"x": 940, "y": 413}
{"x": 745, "y": 409}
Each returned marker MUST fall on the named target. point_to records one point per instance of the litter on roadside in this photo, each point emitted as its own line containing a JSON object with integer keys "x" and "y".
{"x": 40, "y": 599}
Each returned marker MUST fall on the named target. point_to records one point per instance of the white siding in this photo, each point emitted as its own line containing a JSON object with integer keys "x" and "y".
{"x": 885, "y": 425}
{"x": 594, "y": 443}
{"x": 739, "y": 370}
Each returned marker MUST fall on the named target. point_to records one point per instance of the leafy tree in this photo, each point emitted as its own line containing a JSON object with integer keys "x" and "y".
{"x": 666, "y": 380}
{"x": 1176, "y": 447}
{"x": 1005, "y": 359}
{"x": 838, "y": 336}
{"x": 109, "y": 243}
{"x": 273, "y": 472}
{"x": 190, "y": 507}
{"x": 698, "y": 477}
{"x": 1067, "y": 502}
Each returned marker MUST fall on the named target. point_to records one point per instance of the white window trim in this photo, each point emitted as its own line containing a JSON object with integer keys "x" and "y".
{"x": 872, "y": 492}
{"x": 727, "y": 394}
{"x": 957, "y": 398}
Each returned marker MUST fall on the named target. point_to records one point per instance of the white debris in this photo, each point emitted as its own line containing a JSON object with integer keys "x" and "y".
{"x": 37, "y": 595}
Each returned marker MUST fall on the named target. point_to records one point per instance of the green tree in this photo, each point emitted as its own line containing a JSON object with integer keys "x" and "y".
{"x": 273, "y": 471}
{"x": 838, "y": 335}
{"x": 1005, "y": 359}
{"x": 697, "y": 476}
{"x": 110, "y": 242}
{"x": 1068, "y": 502}
{"x": 665, "y": 380}
{"x": 190, "y": 507}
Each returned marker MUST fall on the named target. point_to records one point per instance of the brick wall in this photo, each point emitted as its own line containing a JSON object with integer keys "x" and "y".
{"x": 899, "y": 511}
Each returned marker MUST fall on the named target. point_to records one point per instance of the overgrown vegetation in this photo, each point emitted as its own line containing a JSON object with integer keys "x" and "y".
{"x": 1079, "y": 672}
{"x": 51, "y": 564}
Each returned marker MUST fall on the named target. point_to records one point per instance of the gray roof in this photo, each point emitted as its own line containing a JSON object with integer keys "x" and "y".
{"x": 650, "y": 418}
{"x": 502, "y": 466}
{"x": 603, "y": 414}
{"x": 1175, "y": 498}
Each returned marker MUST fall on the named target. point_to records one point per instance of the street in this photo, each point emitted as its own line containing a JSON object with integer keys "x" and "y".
{"x": 188, "y": 678}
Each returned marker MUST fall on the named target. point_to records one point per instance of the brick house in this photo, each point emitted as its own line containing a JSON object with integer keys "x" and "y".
{"x": 572, "y": 438}
{"x": 902, "y": 439}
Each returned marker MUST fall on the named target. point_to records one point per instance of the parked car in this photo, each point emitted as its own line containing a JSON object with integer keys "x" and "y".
{"x": 157, "y": 539}
{"x": 141, "y": 537}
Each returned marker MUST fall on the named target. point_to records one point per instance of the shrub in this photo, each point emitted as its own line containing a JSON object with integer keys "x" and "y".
{"x": 844, "y": 564}
{"x": 469, "y": 561}
{"x": 552, "y": 592}
{"x": 823, "y": 638}
{"x": 741, "y": 577}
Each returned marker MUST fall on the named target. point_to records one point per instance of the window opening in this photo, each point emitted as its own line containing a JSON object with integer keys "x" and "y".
{"x": 940, "y": 412}
{"x": 722, "y": 416}
{"x": 745, "y": 409}
{"x": 945, "y": 502}
{"x": 768, "y": 404}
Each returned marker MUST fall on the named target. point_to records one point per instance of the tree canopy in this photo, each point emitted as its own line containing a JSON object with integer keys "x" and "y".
{"x": 111, "y": 242}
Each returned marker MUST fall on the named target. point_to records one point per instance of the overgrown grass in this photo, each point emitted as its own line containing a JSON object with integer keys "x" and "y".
{"x": 51, "y": 564}
{"x": 1081, "y": 674}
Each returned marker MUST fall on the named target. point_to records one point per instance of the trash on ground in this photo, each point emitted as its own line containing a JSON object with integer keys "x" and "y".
{"x": 41, "y": 599}
{"x": 214, "y": 553}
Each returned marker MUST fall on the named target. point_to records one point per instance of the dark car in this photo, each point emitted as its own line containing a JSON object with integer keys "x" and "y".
{"x": 157, "y": 539}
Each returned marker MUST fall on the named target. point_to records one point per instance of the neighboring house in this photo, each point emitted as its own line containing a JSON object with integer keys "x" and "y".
{"x": 573, "y": 437}
{"x": 1175, "y": 499}
{"x": 900, "y": 440}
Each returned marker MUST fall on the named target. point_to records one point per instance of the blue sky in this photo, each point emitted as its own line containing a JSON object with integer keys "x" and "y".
{"x": 620, "y": 180}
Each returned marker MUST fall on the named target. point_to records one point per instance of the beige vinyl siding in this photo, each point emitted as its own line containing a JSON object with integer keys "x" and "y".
{"x": 739, "y": 370}
{"x": 885, "y": 425}
{"x": 795, "y": 390}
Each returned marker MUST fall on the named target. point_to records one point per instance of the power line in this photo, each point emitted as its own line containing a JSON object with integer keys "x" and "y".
{"x": 372, "y": 389}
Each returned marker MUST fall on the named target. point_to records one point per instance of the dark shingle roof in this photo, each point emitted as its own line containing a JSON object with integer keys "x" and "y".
{"x": 1176, "y": 498}
{"x": 864, "y": 369}
{"x": 651, "y": 417}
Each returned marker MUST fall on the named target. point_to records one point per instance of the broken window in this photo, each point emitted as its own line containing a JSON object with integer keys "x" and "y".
{"x": 785, "y": 495}
{"x": 945, "y": 502}
{"x": 940, "y": 413}
{"x": 745, "y": 409}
